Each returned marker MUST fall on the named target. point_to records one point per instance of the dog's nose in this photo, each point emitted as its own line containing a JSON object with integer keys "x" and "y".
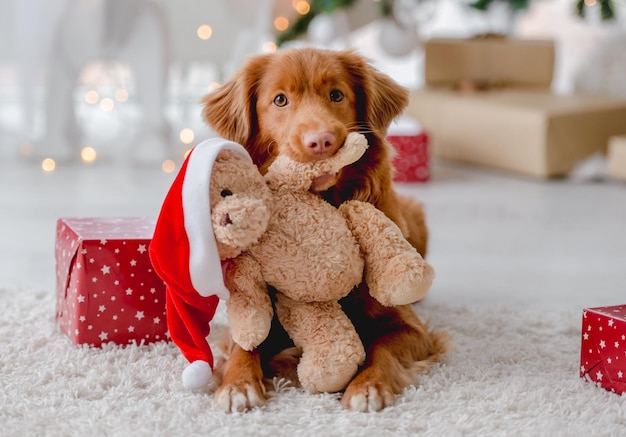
{"x": 319, "y": 142}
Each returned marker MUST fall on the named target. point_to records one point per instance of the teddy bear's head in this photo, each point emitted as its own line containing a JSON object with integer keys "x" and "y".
{"x": 240, "y": 203}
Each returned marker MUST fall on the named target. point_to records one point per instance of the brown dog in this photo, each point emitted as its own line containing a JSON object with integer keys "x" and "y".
{"x": 303, "y": 103}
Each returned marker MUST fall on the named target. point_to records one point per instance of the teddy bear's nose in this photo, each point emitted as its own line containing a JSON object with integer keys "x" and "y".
{"x": 226, "y": 220}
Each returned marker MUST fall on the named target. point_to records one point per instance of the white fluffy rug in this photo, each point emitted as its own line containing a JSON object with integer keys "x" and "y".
{"x": 511, "y": 373}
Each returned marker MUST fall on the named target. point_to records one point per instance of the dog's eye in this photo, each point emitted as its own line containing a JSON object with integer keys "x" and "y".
{"x": 336, "y": 96}
{"x": 280, "y": 100}
{"x": 226, "y": 193}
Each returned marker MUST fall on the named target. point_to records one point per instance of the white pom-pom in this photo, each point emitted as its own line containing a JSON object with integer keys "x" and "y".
{"x": 197, "y": 375}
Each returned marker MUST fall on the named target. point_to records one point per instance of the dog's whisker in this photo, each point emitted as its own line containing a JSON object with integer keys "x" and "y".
{"x": 362, "y": 128}
{"x": 271, "y": 150}
{"x": 358, "y": 128}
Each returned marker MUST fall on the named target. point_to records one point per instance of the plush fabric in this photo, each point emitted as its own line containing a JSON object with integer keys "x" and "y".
{"x": 510, "y": 372}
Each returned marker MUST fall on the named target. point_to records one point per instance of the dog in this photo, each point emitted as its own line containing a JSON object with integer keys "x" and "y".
{"x": 303, "y": 102}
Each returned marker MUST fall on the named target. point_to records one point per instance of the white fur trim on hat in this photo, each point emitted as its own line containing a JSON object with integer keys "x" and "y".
{"x": 205, "y": 268}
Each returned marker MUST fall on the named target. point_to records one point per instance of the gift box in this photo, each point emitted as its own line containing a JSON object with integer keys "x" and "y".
{"x": 617, "y": 157}
{"x": 411, "y": 160}
{"x": 603, "y": 347}
{"x": 489, "y": 61}
{"x": 107, "y": 290}
{"x": 533, "y": 133}
{"x": 488, "y": 102}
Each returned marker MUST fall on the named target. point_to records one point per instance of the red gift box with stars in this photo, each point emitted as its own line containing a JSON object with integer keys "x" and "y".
{"x": 603, "y": 348}
{"x": 411, "y": 161}
{"x": 107, "y": 290}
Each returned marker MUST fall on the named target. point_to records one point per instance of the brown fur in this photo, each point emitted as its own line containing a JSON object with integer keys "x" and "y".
{"x": 398, "y": 344}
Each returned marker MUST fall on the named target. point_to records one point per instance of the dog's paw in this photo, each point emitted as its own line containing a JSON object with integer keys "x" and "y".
{"x": 237, "y": 398}
{"x": 367, "y": 397}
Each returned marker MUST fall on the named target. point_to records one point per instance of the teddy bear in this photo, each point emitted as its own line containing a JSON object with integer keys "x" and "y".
{"x": 272, "y": 231}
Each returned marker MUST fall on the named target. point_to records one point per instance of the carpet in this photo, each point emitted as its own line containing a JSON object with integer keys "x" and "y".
{"x": 510, "y": 373}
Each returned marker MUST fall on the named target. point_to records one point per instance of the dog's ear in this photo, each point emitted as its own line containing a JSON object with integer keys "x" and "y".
{"x": 379, "y": 98}
{"x": 231, "y": 109}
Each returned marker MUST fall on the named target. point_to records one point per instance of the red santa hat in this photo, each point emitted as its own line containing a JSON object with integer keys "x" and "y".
{"x": 184, "y": 254}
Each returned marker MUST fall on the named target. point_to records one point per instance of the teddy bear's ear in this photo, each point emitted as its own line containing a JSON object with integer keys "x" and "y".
{"x": 231, "y": 108}
{"x": 379, "y": 99}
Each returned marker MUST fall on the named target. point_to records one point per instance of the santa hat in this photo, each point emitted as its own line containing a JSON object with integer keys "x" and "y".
{"x": 184, "y": 254}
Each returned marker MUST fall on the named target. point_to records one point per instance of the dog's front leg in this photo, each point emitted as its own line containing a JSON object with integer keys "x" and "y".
{"x": 242, "y": 384}
{"x": 399, "y": 348}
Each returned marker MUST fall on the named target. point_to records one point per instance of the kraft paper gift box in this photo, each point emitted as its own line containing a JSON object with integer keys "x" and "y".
{"x": 534, "y": 133}
{"x": 107, "y": 290}
{"x": 489, "y": 61}
{"x": 617, "y": 157}
{"x": 515, "y": 122}
{"x": 411, "y": 160}
{"x": 603, "y": 347}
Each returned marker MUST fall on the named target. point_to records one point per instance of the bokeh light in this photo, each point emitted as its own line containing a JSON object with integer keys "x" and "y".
{"x": 92, "y": 97}
{"x": 107, "y": 104}
{"x": 88, "y": 154}
{"x": 204, "y": 32}
{"x": 186, "y": 136}
{"x": 281, "y": 23}
{"x": 121, "y": 95}
{"x": 168, "y": 166}
{"x": 303, "y": 7}
{"x": 269, "y": 47}
{"x": 48, "y": 165}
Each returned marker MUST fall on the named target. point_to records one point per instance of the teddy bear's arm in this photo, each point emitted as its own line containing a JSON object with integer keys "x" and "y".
{"x": 249, "y": 307}
{"x": 395, "y": 272}
{"x": 300, "y": 175}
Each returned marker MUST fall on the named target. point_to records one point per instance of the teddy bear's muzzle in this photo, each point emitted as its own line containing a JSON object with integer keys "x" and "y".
{"x": 225, "y": 220}
{"x": 239, "y": 221}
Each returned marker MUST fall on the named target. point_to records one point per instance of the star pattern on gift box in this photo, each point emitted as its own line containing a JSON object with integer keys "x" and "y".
{"x": 107, "y": 289}
{"x": 603, "y": 348}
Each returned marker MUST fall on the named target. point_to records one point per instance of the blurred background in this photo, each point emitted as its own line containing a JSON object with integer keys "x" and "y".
{"x": 99, "y": 101}
{"x": 83, "y": 81}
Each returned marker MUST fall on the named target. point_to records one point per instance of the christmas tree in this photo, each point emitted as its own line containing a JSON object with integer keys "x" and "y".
{"x": 607, "y": 8}
{"x": 517, "y": 5}
{"x": 300, "y": 26}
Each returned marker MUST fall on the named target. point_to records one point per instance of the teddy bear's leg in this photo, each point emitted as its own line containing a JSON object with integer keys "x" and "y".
{"x": 249, "y": 307}
{"x": 331, "y": 349}
{"x": 395, "y": 272}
